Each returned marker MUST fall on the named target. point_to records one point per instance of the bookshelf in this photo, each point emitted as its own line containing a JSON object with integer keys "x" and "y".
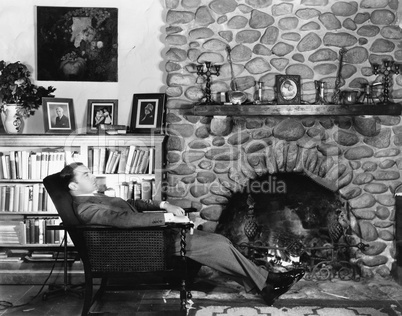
{"x": 129, "y": 165}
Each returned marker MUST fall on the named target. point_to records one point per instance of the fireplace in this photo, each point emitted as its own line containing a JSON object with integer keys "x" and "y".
{"x": 357, "y": 158}
{"x": 289, "y": 220}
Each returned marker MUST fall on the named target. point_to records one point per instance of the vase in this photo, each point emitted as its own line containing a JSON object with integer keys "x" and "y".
{"x": 13, "y": 123}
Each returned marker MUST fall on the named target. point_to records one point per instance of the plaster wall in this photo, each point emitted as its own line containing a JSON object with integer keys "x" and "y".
{"x": 140, "y": 69}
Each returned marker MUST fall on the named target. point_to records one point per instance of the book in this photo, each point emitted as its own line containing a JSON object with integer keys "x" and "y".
{"x": 1, "y": 166}
{"x": 95, "y": 162}
{"x": 13, "y": 167}
{"x": 144, "y": 162}
{"x": 151, "y": 165}
{"x": 130, "y": 157}
{"x": 140, "y": 158}
{"x": 135, "y": 162}
{"x": 102, "y": 160}
{"x": 116, "y": 163}
{"x": 110, "y": 160}
{"x": 123, "y": 160}
{"x": 24, "y": 164}
{"x": 5, "y": 166}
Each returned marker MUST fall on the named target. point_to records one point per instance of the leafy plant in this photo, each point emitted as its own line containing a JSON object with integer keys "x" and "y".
{"x": 17, "y": 88}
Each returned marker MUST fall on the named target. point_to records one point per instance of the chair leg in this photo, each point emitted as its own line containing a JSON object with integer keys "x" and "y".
{"x": 88, "y": 295}
{"x": 101, "y": 289}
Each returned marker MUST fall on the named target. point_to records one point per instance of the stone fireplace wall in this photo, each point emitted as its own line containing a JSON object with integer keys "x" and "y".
{"x": 210, "y": 158}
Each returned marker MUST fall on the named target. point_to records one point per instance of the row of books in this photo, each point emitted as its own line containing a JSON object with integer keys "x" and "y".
{"x": 25, "y": 198}
{"x": 31, "y": 231}
{"x": 134, "y": 190}
{"x": 25, "y": 164}
{"x": 128, "y": 160}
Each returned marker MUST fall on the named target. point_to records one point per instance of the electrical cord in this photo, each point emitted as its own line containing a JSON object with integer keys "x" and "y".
{"x": 6, "y": 305}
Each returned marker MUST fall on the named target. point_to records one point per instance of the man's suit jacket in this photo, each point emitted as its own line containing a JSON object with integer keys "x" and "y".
{"x": 112, "y": 211}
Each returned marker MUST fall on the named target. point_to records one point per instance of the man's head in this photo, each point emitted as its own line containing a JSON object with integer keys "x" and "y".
{"x": 59, "y": 111}
{"x": 77, "y": 179}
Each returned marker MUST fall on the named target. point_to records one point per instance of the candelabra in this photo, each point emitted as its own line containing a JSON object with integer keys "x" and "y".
{"x": 208, "y": 71}
{"x": 387, "y": 69}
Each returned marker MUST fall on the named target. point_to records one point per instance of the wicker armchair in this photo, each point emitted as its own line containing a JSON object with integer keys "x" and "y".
{"x": 108, "y": 252}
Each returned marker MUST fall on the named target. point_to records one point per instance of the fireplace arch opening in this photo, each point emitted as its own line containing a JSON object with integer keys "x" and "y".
{"x": 297, "y": 219}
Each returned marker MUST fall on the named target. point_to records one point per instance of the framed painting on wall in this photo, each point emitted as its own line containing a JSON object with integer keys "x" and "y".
{"x": 58, "y": 115}
{"x": 77, "y": 44}
{"x": 288, "y": 89}
{"x": 147, "y": 113}
{"x": 101, "y": 112}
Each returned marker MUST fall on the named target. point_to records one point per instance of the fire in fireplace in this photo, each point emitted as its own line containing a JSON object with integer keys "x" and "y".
{"x": 287, "y": 219}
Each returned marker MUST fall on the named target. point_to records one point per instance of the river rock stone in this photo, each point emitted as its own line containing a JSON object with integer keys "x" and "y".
{"x": 288, "y": 23}
{"x": 212, "y": 213}
{"x": 289, "y": 130}
{"x": 382, "y": 46}
{"x": 375, "y": 188}
{"x": 323, "y": 54}
{"x": 330, "y": 21}
{"x": 364, "y": 201}
{"x": 282, "y": 49}
{"x": 237, "y": 22}
{"x": 223, "y": 6}
{"x": 386, "y": 235}
{"x": 367, "y": 126}
{"x": 374, "y": 261}
{"x": 368, "y": 231}
{"x": 359, "y": 152}
{"x": 307, "y": 14}
{"x": 258, "y": 65}
{"x": 179, "y": 17}
{"x": 270, "y": 35}
{"x": 197, "y": 190}
{"x": 382, "y": 17}
{"x": 223, "y": 153}
{"x": 342, "y": 8}
{"x": 340, "y": 39}
{"x": 260, "y": 20}
{"x": 201, "y": 33}
{"x": 247, "y": 36}
{"x": 349, "y": 24}
{"x": 356, "y": 55}
{"x": 203, "y": 16}
{"x": 310, "y": 26}
{"x": 309, "y": 42}
{"x": 375, "y": 248}
{"x": 303, "y": 71}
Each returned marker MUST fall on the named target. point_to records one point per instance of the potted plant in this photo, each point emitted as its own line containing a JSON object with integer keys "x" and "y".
{"x": 19, "y": 96}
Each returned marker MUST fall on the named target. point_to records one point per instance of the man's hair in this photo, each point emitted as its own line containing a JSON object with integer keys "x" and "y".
{"x": 67, "y": 175}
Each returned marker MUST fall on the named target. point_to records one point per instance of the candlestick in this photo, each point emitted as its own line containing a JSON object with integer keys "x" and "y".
{"x": 320, "y": 92}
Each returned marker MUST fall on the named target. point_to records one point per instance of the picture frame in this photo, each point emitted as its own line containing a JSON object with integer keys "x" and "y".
{"x": 148, "y": 113}
{"x": 288, "y": 89}
{"x": 101, "y": 111}
{"x": 58, "y": 115}
{"x": 77, "y": 43}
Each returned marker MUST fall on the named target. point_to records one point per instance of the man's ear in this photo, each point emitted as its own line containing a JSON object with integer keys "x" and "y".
{"x": 72, "y": 186}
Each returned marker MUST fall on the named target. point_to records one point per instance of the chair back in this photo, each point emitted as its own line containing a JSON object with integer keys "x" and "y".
{"x": 63, "y": 202}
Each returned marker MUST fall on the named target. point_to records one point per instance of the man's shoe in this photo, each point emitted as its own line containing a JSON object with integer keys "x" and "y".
{"x": 270, "y": 294}
{"x": 284, "y": 279}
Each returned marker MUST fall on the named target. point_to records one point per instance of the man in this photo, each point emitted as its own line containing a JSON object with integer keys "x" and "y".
{"x": 61, "y": 119}
{"x": 209, "y": 249}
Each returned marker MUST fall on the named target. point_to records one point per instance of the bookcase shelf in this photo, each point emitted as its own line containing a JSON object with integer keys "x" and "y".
{"x": 80, "y": 148}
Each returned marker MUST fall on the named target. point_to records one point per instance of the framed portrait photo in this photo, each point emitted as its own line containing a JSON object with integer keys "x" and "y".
{"x": 101, "y": 112}
{"x": 147, "y": 113}
{"x": 58, "y": 115}
{"x": 288, "y": 89}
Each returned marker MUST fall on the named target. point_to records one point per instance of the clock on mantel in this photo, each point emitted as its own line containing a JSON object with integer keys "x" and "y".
{"x": 294, "y": 109}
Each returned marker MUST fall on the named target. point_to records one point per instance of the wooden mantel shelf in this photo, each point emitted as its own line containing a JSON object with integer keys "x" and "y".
{"x": 294, "y": 109}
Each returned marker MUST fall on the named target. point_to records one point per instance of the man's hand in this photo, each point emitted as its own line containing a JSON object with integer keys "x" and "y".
{"x": 170, "y": 208}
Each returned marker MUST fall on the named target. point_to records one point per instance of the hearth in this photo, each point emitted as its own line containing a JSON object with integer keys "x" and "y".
{"x": 284, "y": 220}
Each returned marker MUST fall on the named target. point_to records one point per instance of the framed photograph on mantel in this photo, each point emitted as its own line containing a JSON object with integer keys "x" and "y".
{"x": 101, "y": 112}
{"x": 147, "y": 113}
{"x": 58, "y": 115}
{"x": 288, "y": 89}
